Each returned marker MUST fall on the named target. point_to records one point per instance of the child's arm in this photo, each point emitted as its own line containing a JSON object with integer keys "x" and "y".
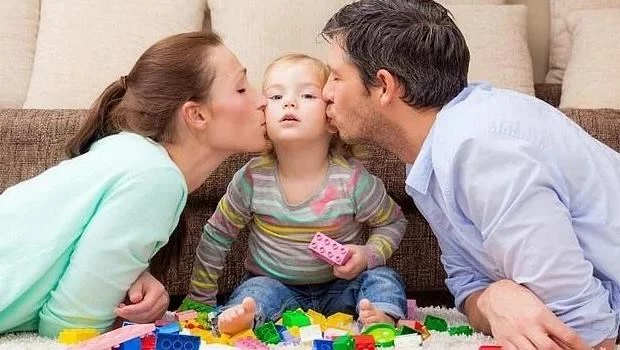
{"x": 232, "y": 214}
{"x": 379, "y": 211}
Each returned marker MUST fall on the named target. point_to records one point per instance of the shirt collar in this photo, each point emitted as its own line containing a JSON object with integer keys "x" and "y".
{"x": 419, "y": 173}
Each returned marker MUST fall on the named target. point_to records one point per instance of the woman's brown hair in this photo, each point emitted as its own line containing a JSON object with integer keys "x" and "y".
{"x": 168, "y": 74}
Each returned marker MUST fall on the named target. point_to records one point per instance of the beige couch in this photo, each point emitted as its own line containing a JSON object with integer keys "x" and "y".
{"x": 55, "y": 57}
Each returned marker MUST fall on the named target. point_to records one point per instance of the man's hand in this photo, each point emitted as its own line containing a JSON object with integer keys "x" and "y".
{"x": 517, "y": 319}
{"x": 147, "y": 300}
{"x": 357, "y": 263}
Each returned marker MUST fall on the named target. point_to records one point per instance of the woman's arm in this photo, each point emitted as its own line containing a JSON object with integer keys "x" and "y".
{"x": 132, "y": 221}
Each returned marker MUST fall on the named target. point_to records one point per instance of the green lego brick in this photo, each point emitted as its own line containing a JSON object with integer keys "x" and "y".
{"x": 189, "y": 304}
{"x": 461, "y": 330}
{"x": 383, "y": 333}
{"x": 435, "y": 323}
{"x": 295, "y": 318}
{"x": 344, "y": 342}
{"x": 404, "y": 330}
{"x": 267, "y": 333}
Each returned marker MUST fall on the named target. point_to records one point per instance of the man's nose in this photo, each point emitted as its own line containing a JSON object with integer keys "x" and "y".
{"x": 327, "y": 92}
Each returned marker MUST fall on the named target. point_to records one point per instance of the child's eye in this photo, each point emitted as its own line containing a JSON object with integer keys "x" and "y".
{"x": 275, "y": 97}
{"x": 309, "y": 96}
{"x": 241, "y": 91}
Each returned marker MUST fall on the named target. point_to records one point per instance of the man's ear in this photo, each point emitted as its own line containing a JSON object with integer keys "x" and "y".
{"x": 389, "y": 87}
{"x": 194, "y": 116}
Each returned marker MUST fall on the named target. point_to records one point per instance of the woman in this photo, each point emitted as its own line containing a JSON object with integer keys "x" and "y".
{"x": 76, "y": 237}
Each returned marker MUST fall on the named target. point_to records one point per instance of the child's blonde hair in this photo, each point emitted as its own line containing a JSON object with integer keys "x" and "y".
{"x": 337, "y": 147}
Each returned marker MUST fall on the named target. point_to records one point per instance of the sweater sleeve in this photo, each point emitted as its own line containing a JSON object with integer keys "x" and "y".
{"x": 379, "y": 211}
{"x": 133, "y": 220}
{"x": 222, "y": 229}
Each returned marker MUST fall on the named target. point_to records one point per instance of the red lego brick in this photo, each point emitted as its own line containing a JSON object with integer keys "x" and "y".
{"x": 364, "y": 342}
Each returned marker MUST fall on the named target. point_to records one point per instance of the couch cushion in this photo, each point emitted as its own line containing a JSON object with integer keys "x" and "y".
{"x": 497, "y": 44}
{"x": 83, "y": 46}
{"x": 260, "y": 31}
{"x": 560, "y": 41}
{"x": 603, "y": 124}
{"x": 19, "y": 22}
{"x": 33, "y": 140}
{"x": 598, "y": 85}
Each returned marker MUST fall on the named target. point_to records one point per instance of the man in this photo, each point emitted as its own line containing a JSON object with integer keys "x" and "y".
{"x": 523, "y": 202}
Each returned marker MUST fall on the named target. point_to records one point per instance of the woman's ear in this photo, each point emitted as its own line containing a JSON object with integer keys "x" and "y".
{"x": 195, "y": 115}
{"x": 389, "y": 87}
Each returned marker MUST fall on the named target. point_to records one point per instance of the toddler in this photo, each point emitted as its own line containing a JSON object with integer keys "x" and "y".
{"x": 306, "y": 183}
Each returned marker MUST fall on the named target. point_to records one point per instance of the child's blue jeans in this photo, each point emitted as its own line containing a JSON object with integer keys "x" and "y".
{"x": 382, "y": 286}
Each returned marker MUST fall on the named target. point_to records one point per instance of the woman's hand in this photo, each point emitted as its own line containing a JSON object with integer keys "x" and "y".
{"x": 147, "y": 300}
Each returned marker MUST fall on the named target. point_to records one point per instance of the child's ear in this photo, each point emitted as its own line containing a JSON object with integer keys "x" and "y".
{"x": 195, "y": 115}
{"x": 331, "y": 129}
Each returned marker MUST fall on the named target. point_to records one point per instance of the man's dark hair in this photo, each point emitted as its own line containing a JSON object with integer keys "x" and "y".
{"x": 415, "y": 40}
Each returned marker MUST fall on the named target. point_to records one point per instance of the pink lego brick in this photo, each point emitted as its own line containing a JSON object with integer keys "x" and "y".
{"x": 115, "y": 337}
{"x": 329, "y": 250}
{"x": 411, "y": 309}
{"x": 186, "y": 315}
{"x": 250, "y": 343}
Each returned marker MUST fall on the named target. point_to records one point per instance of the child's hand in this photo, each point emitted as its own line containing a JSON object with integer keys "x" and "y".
{"x": 147, "y": 300}
{"x": 357, "y": 263}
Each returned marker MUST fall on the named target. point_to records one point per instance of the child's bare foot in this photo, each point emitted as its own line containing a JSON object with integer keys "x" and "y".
{"x": 369, "y": 314}
{"x": 238, "y": 318}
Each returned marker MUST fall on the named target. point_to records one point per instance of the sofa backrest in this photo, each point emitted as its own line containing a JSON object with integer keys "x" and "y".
{"x": 33, "y": 140}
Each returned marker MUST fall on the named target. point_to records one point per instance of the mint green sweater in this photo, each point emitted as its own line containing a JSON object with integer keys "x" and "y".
{"x": 73, "y": 239}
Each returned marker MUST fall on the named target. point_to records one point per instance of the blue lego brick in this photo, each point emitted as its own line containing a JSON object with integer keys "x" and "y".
{"x": 177, "y": 342}
{"x": 322, "y": 344}
{"x": 170, "y": 328}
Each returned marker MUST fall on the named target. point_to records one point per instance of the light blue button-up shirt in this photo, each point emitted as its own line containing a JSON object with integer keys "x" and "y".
{"x": 513, "y": 189}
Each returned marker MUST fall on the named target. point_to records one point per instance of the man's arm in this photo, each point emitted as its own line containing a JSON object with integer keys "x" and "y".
{"x": 514, "y": 198}
{"x": 563, "y": 336}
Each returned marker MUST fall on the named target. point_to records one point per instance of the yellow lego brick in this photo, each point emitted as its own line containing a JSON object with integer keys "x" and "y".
{"x": 340, "y": 320}
{"x": 205, "y": 335}
{"x": 246, "y": 334}
{"x": 317, "y": 318}
{"x": 73, "y": 335}
{"x": 294, "y": 331}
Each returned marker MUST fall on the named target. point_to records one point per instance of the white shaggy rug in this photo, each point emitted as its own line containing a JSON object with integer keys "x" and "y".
{"x": 30, "y": 341}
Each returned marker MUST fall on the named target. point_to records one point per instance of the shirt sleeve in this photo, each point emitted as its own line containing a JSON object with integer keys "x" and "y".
{"x": 233, "y": 212}
{"x": 378, "y": 210}
{"x": 133, "y": 220}
{"x": 517, "y": 200}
